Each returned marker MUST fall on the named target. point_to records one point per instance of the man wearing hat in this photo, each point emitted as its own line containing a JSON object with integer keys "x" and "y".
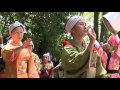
{"x": 77, "y": 55}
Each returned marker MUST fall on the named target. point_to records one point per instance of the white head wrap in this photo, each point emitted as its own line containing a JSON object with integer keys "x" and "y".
{"x": 72, "y": 22}
{"x": 16, "y": 24}
{"x": 46, "y": 54}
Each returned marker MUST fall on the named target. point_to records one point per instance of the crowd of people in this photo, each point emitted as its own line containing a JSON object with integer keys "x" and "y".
{"x": 80, "y": 58}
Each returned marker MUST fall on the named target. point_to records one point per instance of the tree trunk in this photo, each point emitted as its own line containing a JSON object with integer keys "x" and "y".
{"x": 96, "y": 18}
{"x": 103, "y": 36}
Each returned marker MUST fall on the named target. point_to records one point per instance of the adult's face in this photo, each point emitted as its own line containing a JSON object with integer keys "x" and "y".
{"x": 30, "y": 48}
{"x": 17, "y": 34}
{"x": 79, "y": 29}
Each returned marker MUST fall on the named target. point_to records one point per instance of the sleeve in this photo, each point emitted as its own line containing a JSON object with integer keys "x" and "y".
{"x": 38, "y": 62}
{"x": 103, "y": 56}
{"x": 71, "y": 59}
{"x": 32, "y": 72}
{"x": 8, "y": 54}
{"x": 100, "y": 70}
{"x": 100, "y": 51}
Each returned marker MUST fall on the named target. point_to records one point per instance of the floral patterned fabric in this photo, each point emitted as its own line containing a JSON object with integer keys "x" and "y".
{"x": 37, "y": 62}
{"x": 18, "y": 65}
{"x": 113, "y": 64}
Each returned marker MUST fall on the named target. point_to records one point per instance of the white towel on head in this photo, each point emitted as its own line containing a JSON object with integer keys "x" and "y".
{"x": 46, "y": 55}
{"x": 16, "y": 24}
{"x": 72, "y": 22}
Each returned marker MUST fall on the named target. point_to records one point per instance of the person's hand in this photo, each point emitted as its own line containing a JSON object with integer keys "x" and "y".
{"x": 92, "y": 35}
{"x": 26, "y": 42}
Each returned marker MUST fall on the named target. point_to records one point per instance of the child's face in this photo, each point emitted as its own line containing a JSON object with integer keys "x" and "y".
{"x": 46, "y": 59}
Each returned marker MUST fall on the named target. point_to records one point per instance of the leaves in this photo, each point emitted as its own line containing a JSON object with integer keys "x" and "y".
{"x": 45, "y": 28}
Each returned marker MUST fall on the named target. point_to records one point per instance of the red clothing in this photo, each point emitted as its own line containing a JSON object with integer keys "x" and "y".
{"x": 46, "y": 71}
{"x": 113, "y": 63}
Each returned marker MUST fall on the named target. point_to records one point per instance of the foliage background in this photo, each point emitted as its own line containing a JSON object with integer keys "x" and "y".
{"x": 47, "y": 28}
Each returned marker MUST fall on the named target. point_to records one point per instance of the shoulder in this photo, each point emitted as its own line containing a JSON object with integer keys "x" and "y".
{"x": 68, "y": 49}
{"x": 34, "y": 54}
{"x": 67, "y": 43}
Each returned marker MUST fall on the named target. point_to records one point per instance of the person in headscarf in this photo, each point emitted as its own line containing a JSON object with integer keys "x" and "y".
{"x": 103, "y": 51}
{"x": 76, "y": 55}
{"x": 114, "y": 61}
{"x": 35, "y": 57}
{"x": 106, "y": 49}
{"x": 46, "y": 71}
{"x": 18, "y": 60}
{"x": 111, "y": 60}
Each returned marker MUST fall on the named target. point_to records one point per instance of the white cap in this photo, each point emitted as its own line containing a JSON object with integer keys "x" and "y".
{"x": 16, "y": 24}
{"x": 72, "y": 22}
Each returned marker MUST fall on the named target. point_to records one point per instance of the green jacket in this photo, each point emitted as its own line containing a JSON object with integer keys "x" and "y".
{"x": 76, "y": 60}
